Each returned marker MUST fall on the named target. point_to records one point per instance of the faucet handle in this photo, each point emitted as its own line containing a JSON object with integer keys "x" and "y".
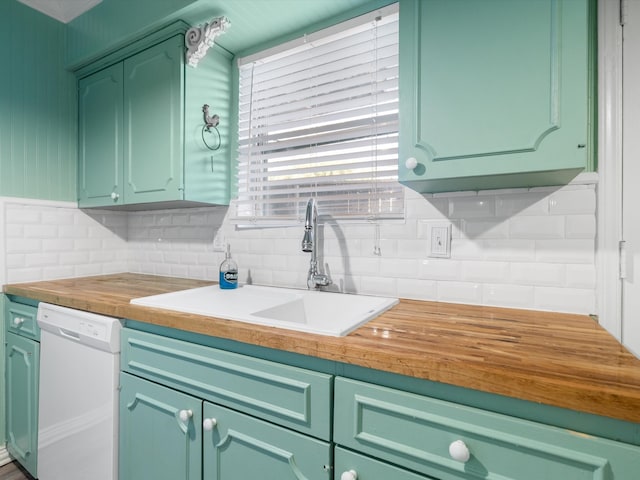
{"x": 318, "y": 280}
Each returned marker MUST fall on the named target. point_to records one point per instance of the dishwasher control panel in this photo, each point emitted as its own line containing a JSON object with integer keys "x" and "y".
{"x": 98, "y": 331}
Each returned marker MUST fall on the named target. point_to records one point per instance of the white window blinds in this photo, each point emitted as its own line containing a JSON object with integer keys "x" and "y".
{"x": 319, "y": 117}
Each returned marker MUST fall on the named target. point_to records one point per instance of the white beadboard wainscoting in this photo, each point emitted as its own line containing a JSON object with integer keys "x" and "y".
{"x": 523, "y": 248}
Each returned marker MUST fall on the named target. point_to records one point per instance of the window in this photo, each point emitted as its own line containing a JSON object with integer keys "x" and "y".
{"x": 319, "y": 117}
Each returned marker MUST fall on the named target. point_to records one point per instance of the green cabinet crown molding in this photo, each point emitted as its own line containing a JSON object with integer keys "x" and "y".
{"x": 494, "y": 94}
{"x": 113, "y": 56}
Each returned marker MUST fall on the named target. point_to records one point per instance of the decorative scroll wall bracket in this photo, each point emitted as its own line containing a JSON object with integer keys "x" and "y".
{"x": 199, "y": 39}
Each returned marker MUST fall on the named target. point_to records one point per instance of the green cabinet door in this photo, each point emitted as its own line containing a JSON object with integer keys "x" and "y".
{"x": 237, "y": 446}
{"x": 493, "y": 94}
{"x": 22, "y": 368}
{"x": 100, "y": 154}
{"x": 160, "y": 432}
{"x": 154, "y": 123}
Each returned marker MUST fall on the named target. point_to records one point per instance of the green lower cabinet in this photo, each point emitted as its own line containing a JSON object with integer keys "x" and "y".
{"x": 160, "y": 432}
{"x": 21, "y": 375}
{"x": 239, "y": 446}
{"x": 353, "y": 466}
{"x": 453, "y": 442}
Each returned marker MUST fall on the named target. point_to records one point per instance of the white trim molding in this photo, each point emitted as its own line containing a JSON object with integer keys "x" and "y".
{"x": 4, "y": 456}
{"x": 609, "y": 198}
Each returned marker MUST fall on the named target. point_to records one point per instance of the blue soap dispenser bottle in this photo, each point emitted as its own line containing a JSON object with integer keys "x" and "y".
{"x": 228, "y": 271}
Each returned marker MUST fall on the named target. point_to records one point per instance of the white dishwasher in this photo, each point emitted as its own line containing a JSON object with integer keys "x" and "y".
{"x": 78, "y": 405}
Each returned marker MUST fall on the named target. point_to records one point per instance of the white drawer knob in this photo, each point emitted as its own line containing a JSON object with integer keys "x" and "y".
{"x": 18, "y": 321}
{"x": 114, "y": 196}
{"x": 349, "y": 475}
{"x": 459, "y": 451}
{"x": 185, "y": 415}
{"x": 411, "y": 163}
{"x": 209, "y": 424}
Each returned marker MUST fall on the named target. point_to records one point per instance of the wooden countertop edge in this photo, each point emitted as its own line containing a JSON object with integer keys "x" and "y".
{"x": 525, "y": 386}
{"x": 621, "y": 401}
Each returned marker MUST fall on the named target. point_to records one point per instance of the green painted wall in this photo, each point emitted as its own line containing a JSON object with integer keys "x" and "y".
{"x": 37, "y": 107}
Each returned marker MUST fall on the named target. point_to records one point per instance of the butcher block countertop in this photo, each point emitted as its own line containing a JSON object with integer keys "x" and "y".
{"x": 556, "y": 359}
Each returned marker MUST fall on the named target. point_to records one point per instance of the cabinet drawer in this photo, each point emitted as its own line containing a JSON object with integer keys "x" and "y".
{"x": 417, "y": 431}
{"x": 22, "y": 319}
{"x": 243, "y": 447}
{"x": 367, "y": 468}
{"x": 292, "y": 397}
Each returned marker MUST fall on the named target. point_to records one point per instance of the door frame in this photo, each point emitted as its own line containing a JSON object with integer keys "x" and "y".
{"x": 609, "y": 190}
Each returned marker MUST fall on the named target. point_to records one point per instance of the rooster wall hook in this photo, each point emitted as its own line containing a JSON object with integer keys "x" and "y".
{"x": 210, "y": 122}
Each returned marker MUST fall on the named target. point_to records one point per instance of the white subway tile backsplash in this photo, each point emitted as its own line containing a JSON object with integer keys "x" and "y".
{"x": 569, "y": 300}
{"x": 22, "y": 216}
{"x": 581, "y": 276}
{"x": 59, "y": 271}
{"x": 523, "y": 203}
{"x": 383, "y": 286}
{"x": 73, "y": 231}
{"x": 537, "y": 274}
{"x": 23, "y": 274}
{"x": 486, "y": 228}
{"x": 580, "y": 226}
{"x": 512, "y": 250}
{"x": 523, "y": 248}
{"x": 574, "y": 201}
{"x": 15, "y": 260}
{"x": 565, "y": 251}
{"x": 417, "y": 289}
{"x": 407, "y": 249}
{"x": 74, "y": 257}
{"x": 459, "y": 292}
{"x": 399, "y": 267}
{"x": 466, "y": 249}
{"x": 40, "y": 260}
{"x": 535, "y": 227}
{"x": 439, "y": 269}
{"x": 472, "y": 207}
{"x": 505, "y": 295}
{"x": 23, "y": 245}
{"x": 40, "y": 231}
{"x": 484, "y": 272}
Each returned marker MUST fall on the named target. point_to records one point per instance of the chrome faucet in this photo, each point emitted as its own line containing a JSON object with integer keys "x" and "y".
{"x": 315, "y": 279}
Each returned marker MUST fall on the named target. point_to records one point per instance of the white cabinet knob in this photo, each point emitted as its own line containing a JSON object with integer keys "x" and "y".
{"x": 114, "y": 196}
{"x": 349, "y": 475}
{"x": 185, "y": 415}
{"x": 209, "y": 424}
{"x": 18, "y": 321}
{"x": 411, "y": 163}
{"x": 459, "y": 451}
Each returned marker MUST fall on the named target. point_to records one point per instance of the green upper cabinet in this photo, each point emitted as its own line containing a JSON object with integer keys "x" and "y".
{"x": 141, "y": 138}
{"x": 494, "y": 94}
{"x": 100, "y": 138}
{"x": 153, "y": 123}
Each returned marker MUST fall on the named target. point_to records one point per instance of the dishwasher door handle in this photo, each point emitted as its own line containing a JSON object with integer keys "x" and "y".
{"x": 69, "y": 334}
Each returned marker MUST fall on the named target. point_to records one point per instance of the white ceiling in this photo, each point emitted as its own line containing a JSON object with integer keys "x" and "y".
{"x": 62, "y": 10}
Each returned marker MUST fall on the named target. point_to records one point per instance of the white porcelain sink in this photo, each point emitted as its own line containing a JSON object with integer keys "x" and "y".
{"x": 326, "y": 313}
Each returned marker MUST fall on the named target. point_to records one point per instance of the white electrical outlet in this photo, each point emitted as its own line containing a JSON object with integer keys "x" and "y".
{"x": 440, "y": 240}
